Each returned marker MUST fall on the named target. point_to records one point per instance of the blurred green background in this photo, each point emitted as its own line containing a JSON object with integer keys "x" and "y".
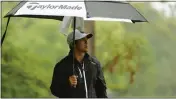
{"x": 32, "y": 47}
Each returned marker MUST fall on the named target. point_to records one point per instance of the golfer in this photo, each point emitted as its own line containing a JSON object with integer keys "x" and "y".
{"x": 88, "y": 80}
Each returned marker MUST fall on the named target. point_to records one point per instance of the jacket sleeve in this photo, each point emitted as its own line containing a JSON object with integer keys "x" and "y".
{"x": 100, "y": 85}
{"x": 60, "y": 83}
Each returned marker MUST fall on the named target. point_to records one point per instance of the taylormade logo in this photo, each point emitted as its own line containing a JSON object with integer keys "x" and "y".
{"x": 33, "y": 6}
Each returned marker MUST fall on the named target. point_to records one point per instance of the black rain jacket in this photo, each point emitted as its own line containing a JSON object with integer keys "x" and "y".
{"x": 96, "y": 85}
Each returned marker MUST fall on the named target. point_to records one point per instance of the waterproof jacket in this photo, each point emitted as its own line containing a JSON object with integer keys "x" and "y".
{"x": 96, "y": 85}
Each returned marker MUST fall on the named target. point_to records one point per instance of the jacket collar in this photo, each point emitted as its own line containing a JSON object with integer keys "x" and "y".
{"x": 86, "y": 56}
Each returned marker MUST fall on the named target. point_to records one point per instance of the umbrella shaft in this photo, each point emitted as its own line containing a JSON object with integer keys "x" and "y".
{"x": 74, "y": 27}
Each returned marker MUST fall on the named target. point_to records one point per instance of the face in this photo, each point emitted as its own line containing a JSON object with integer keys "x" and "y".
{"x": 81, "y": 45}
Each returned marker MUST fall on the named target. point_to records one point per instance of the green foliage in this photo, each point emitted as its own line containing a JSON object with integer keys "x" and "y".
{"x": 130, "y": 48}
{"x": 29, "y": 53}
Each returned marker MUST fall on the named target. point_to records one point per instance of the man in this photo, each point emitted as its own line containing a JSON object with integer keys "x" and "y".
{"x": 66, "y": 85}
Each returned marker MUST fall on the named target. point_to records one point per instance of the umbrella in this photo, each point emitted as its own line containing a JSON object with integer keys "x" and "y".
{"x": 88, "y": 10}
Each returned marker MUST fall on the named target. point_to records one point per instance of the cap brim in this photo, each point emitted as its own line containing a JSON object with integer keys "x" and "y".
{"x": 85, "y": 35}
{"x": 89, "y": 35}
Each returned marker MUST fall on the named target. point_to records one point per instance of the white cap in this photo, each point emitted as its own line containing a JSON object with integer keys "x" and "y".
{"x": 78, "y": 35}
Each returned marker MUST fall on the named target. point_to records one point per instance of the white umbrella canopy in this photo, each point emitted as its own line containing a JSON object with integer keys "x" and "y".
{"x": 88, "y": 10}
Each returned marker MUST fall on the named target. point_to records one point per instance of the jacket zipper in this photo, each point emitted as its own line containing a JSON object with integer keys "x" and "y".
{"x": 84, "y": 77}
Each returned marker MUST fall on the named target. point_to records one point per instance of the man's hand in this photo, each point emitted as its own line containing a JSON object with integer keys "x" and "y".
{"x": 73, "y": 80}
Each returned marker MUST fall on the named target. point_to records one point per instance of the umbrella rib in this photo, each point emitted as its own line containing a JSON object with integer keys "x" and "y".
{"x": 38, "y": 16}
{"x": 21, "y": 6}
{"x": 87, "y": 13}
{"x": 4, "y": 35}
{"x": 16, "y": 7}
{"x": 139, "y": 13}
